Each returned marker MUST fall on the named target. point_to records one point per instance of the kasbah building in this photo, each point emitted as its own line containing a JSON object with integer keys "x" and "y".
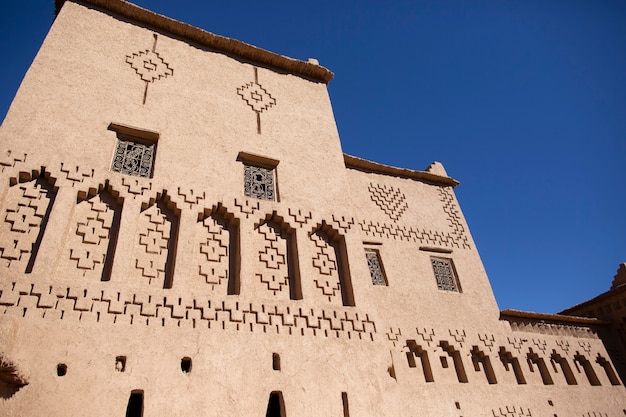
{"x": 129, "y": 287}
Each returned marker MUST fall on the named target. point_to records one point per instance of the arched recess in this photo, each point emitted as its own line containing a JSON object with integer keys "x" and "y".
{"x": 276, "y": 405}
{"x": 94, "y": 230}
{"x": 157, "y": 239}
{"x": 534, "y": 359}
{"x": 219, "y": 249}
{"x": 331, "y": 261}
{"x": 25, "y": 214}
{"x": 588, "y": 368}
{"x": 610, "y": 372}
{"x": 415, "y": 350}
{"x": 278, "y": 256}
{"x": 557, "y": 359}
{"x": 480, "y": 358}
{"x": 509, "y": 361}
{"x": 456, "y": 358}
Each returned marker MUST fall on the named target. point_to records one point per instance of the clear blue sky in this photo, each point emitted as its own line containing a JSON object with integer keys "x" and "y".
{"x": 524, "y": 102}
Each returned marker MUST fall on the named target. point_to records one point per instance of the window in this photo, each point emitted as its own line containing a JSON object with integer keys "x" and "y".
{"x": 258, "y": 182}
{"x": 445, "y": 274}
{"x": 375, "y": 265}
{"x": 135, "y": 151}
{"x": 259, "y": 176}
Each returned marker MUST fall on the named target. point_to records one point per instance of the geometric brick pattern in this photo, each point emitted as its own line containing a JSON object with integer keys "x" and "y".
{"x": 273, "y": 259}
{"x": 153, "y": 244}
{"x": 510, "y": 411}
{"x": 454, "y": 216}
{"x": 325, "y": 261}
{"x": 28, "y": 204}
{"x": 390, "y": 200}
{"x": 456, "y": 238}
{"x": 107, "y": 305}
{"x": 149, "y": 65}
{"x": 214, "y": 257}
{"x": 90, "y": 242}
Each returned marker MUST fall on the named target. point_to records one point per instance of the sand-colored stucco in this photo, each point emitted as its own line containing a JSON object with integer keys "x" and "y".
{"x": 112, "y": 279}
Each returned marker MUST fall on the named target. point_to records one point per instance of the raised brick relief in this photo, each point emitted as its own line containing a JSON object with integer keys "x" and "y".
{"x": 390, "y": 200}
{"x": 247, "y": 207}
{"x": 27, "y": 299}
{"x": 214, "y": 252}
{"x": 28, "y": 206}
{"x": 511, "y": 411}
{"x": 300, "y": 217}
{"x": 94, "y": 235}
{"x": 155, "y": 249}
{"x": 74, "y": 174}
{"x": 257, "y": 97}
{"x": 9, "y": 159}
{"x": 454, "y": 217}
{"x": 325, "y": 262}
{"x": 273, "y": 259}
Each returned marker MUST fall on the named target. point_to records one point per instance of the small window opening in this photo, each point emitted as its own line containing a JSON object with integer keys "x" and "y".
{"x": 61, "y": 369}
{"x": 135, "y": 404}
{"x": 185, "y": 364}
{"x": 275, "y": 405}
{"x": 276, "y": 361}
{"x": 445, "y": 274}
{"x": 457, "y": 405}
{"x": 120, "y": 363}
{"x": 375, "y": 264}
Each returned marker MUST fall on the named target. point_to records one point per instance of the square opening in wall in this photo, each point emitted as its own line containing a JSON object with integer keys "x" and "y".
{"x": 135, "y": 151}
{"x": 445, "y": 274}
{"x": 375, "y": 265}
{"x": 259, "y": 176}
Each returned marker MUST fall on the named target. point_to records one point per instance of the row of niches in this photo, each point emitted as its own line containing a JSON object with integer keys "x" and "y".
{"x": 185, "y": 365}
{"x": 526, "y": 366}
{"x": 92, "y": 231}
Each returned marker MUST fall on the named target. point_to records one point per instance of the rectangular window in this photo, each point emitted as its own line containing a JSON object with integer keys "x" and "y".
{"x": 259, "y": 176}
{"x": 135, "y": 151}
{"x": 375, "y": 265}
{"x": 258, "y": 182}
{"x": 445, "y": 274}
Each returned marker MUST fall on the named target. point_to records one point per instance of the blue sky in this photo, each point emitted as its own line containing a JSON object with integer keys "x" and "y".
{"x": 524, "y": 102}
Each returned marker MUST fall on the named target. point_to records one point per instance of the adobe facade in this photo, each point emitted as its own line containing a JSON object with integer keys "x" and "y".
{"x": 181, "y": 234}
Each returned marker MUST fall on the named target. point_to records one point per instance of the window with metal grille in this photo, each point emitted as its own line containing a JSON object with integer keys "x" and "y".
{"x": 375, "y": 265}
{"x": 135, "y": 151}
{"x": 258, "y": 182}
{"x": 445, "y": 274}
{"x": 134, "y": 158}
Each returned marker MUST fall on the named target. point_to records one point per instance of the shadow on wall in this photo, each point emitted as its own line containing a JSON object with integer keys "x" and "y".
{"x": 10, "y": 378}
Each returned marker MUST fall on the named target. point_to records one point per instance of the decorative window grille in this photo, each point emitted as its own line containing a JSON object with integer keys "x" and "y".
{"x": 376, "y": 267}
{"x": 445, "y": 275}
{"x": 134, "y": 158}
{"x": 258, "y": 182}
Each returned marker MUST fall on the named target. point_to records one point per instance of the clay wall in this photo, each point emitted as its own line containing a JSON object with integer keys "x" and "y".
{"x": 205, "y": 287}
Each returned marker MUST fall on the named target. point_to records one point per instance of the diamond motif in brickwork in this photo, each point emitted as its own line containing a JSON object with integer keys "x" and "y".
{"x": 255, "y": 96}
{"x": 149, "y": 65}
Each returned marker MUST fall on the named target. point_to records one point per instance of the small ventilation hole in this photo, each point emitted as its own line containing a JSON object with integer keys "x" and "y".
{"x": 185, "y": 364}
{"x": 61, "y": 369}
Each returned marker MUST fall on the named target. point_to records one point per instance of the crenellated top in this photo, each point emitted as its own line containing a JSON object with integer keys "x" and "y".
{"x": 229, "y": 46}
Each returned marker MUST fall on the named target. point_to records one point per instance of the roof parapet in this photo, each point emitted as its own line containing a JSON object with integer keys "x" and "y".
{"x": 311, "y": 69}
{"x": 436, "y": 175}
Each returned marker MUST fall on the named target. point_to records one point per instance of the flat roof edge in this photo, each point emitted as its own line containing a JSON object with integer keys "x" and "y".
{"x": 216, "y": 42}
{"x": 364, "y": 165}
{"x": 554, "y": 318}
